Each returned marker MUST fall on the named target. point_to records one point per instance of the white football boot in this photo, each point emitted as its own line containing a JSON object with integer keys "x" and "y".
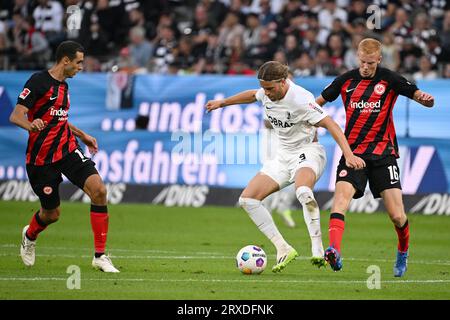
{"x": 104, "y": 264}
{"x": 27, "y": 249}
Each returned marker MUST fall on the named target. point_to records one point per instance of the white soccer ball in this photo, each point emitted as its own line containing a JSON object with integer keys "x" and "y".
{"x": 251, "y": 260}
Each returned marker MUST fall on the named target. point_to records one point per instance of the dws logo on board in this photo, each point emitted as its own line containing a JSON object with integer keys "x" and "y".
{"x": 435, "y": 203}
{"x": 176, "y": 195}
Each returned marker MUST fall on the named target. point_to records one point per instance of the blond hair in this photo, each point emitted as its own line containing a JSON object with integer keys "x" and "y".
{"x": 273, "y": 71}
{"x": 369, "y": 46}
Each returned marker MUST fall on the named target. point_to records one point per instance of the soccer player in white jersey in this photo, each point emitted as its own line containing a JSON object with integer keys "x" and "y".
{"x": 294, "y": 115}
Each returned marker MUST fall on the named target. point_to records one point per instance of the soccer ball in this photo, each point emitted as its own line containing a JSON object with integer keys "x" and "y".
{"x": 251, "y": 260}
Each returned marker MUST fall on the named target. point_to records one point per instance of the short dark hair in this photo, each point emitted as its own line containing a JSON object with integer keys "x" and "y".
{"x": 68, "y": 49}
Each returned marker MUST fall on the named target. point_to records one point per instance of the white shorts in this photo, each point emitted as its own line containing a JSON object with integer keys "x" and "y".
{"x": 284, "y": 166}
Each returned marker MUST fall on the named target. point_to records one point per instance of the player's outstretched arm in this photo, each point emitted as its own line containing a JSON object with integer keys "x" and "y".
{"x": 320, "y": 100}
{"x": 424, "y": 98}
{"x": 248, "y": 96}
{"x": 351, "y": 160}
{"x": 19, "y": 118}
{"x": 87, "y": 139}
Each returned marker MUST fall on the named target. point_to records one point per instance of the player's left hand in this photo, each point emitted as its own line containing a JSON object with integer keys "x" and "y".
{"x": 354, "y": 162}
{"x": 91, "y": 143}
{"x": 424, "y": 98}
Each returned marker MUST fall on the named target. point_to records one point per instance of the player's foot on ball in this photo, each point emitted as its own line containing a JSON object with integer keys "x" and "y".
{"x": 283, "y": 259}
{"x": 104, "y": 264}
{"x": 401, "y": 264}
{"x": 27, "y": 249}
{"x": 287, "y": 218}
{"x": 333, "y": 258}
{"x": 318, "y": 262}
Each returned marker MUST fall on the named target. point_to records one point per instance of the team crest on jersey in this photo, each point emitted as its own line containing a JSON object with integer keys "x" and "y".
{"x": 288, "y": 115}
{"x": 343, "y": 173}
{"x": 25, "y": 93}
{"x": 380, "y": 88}
{"x": 48, "y": 190}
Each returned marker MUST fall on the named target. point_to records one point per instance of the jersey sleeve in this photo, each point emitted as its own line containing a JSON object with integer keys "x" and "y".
{"x": 307, "y": 110}
{"x": 313, "y": 113}
{"x": 259, "y": 94}
{"x": 28, "y": 96}
{"x": 402, "y": 86}
{"x": 332, "y": 91}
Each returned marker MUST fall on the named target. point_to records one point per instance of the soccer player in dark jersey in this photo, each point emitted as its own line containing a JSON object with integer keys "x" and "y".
{"x": 42, "y": 109}
{"x": 369, "y": 95}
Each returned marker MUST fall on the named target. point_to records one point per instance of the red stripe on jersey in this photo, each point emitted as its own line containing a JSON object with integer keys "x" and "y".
{"x": 58, "y": 154}
{"x": 43, "y": 100}
{"x": 348, "y": 112}
{"x": 30, "y": 115}
{"x": 362, "y": 117}
{"x": 46, "y": 145}
{"x": 392, "y": 135}
{"x": 64, "y": 138}
{"x": 386, "y": 111}
{"x": 344, "y": 90}
{"x": 381, "y": 146}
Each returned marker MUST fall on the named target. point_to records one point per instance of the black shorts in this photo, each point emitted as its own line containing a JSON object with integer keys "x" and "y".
{"x": 45, "y": 179}
{"x": 382, "y": 174}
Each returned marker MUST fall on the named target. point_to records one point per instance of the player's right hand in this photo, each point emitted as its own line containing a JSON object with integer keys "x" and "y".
{"x": 213, "y": 105}
{"x": 38, "y": 125}
{"x": 355, "y": 162}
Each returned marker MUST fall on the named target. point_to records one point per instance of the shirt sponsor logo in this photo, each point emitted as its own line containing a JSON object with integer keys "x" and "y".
{"x": 365, "y": 106}
{"x": 25, "y": 92}
{"x": 62, "y": 114}
{"x": 278, "y": 123}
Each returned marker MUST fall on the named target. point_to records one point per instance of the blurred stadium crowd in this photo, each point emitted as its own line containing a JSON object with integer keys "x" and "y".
{"x": 314, "y": 37}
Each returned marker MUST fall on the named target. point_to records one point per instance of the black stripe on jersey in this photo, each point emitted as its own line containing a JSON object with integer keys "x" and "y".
{"x": 373, "y": 117}
{"x": 65, "y": 147}
{"x": 388, "y": 151}
{"x": 353, "y": 84}
{"x": 357, "y": 112}
{"x": 44, "y": 108}
{"x": 54, "y": 146}
{"x": 41, "y": 138}
{"x": 352, "y": 120}
{"x": 57, "y": 139}
{"x": 38, "y": 144}
{"x": 383, "y": 128}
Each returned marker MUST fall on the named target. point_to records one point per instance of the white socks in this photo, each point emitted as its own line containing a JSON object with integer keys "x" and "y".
{"x": 311, "y": 214}
{"x": 264, "y": 221}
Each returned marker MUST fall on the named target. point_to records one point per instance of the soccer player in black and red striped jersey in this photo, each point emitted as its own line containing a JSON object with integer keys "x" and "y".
{"x": 369, "y": 94}
{"x": 42, "y": 109}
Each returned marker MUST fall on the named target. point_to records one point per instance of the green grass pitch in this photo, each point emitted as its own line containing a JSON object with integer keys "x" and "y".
{"x": 189, "y": 253}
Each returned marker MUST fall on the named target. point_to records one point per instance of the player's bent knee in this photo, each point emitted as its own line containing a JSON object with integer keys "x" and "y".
{"x": 398, "y": 219}
{"x": 249, "y": 203}
{"x": 99, "y": 194}
{"x": 305, "y": 195}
